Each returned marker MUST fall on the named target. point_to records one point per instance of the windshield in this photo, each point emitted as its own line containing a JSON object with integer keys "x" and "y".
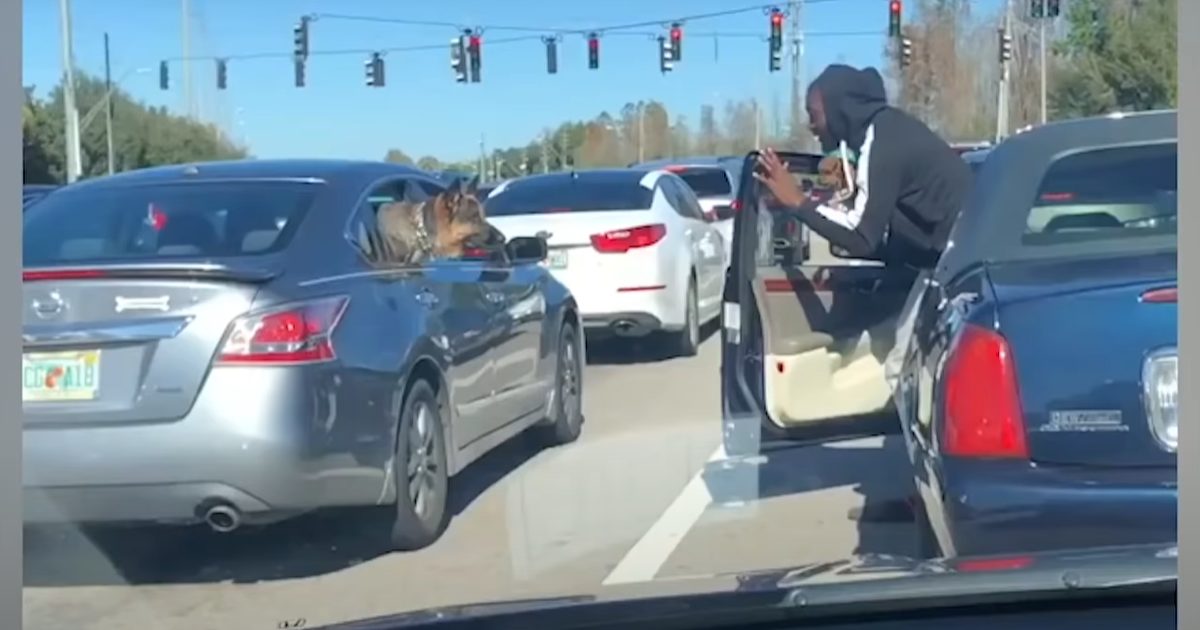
{"x": 343, "y": 309}
{"x": 705, "y": 182}
{"x": 1107, "y": 196}
{"x": 157, "y": 222}
{"x": 581, "y": 193}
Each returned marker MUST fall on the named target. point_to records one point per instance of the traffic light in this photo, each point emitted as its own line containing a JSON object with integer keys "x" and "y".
{"x": 300, "y": 38}
{"x": 894, "y": 18}
{"x": 458, "y": 58}
{"x": 299, "y": 66}
{"x": 164, "y": 78}
{"x": 593, "y": 51}
{"x": 551, "y": 54}
{"x": 666, "y": 56}
{"x": 677, "y": 42}
{"x": 374, "y": 67}
{"x": 1005, "y": 46}
{"x": 905, "y": 52}
{"x": 1037, "y": 8}
{"x": 1053, "y": 8}
{"x": 474, "y": 52}
{"x": 775, "y": 45}
{"x": 222, "y": 77}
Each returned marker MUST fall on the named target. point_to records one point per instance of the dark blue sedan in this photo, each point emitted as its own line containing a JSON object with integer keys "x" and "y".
{"x": 1039, "y": 405}
{"x": 1038, "y": 402}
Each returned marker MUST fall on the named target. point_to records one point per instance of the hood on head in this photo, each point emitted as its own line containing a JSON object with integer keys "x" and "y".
{"x": 851, "y": 98}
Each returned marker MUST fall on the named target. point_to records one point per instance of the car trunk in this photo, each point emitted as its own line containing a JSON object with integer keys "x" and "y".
{"x": 125, "y": 343}
{"x": 1079, "y": 333}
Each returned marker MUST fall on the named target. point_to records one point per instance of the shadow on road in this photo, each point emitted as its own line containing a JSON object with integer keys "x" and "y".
{"x": 307, "y": 546}
{"x": 876, "y": 469}
{"x": 648, "y": 349}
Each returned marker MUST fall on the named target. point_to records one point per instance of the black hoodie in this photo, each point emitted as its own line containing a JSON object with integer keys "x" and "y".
{"x": 911, "y": 184}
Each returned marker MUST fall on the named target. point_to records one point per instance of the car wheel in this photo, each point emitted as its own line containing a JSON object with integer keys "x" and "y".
{"x": 566, "y": 407}
{"x": 687, "y": 341}
{"x": 420, "y": 471}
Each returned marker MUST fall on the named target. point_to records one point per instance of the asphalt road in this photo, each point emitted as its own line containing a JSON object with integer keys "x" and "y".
{"x": 643, "y": 495}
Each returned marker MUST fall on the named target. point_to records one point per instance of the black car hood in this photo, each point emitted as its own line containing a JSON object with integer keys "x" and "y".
{"x": 859, "y": 579}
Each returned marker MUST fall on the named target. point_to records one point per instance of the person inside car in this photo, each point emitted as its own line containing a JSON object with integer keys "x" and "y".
{"x": 909, "y": 185}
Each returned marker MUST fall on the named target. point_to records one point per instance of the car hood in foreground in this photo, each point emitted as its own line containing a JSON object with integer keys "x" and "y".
{"x": 860, "y": 580}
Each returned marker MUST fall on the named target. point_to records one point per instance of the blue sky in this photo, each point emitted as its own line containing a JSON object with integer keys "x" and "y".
{"x": 422, "y": 110}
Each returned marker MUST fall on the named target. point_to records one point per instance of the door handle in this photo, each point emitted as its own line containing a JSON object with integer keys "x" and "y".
{"x": 427, "y": 298}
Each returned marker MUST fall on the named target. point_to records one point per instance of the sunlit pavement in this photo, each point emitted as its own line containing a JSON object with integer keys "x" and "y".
{"x": 635, "y": 499}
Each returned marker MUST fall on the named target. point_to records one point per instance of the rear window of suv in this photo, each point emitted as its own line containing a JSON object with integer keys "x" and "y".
{"x": 580, "y": 193}
{"x": 131, "y": 223}
{"x": 705, "y": 182}
{"x": 1107, "y": 197}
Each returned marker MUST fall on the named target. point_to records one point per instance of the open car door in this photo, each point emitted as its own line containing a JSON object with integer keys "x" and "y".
{"x": 805, "y": 333}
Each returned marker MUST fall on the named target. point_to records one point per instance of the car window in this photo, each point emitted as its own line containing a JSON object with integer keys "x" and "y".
{"x": 1106, "y": 195}
{"x": 689, "y": 207}
{"x": 165, "y": 221}
{"x": 705, "y": 182}
{"x": 365, "y": 232}
{"x": 568, "y": 194}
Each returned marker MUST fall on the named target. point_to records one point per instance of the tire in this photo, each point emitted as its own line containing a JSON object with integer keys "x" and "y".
{"x": 420, "y": 511}
{"x": 566, "y": 408}
{"x": 686, "y": 342}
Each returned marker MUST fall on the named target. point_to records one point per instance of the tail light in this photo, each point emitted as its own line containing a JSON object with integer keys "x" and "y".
{"x": 736, "y": 205}
{"x": 983, "y": 416}
{"x": 296, "y": 333}
{"x": 621, "y": 241}
{"x": 61, "y": 274}
{"x": 1160, "y": 393}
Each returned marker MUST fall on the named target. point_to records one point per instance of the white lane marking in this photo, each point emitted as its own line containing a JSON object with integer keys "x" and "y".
{"x": 643, "y": 560}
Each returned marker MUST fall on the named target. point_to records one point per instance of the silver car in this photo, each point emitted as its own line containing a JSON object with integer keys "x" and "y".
{"x": 223, "y": 343}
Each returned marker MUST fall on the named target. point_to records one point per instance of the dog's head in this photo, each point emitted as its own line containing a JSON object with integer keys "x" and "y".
{"x": 460, "y": 212}
{"x": 831, "y": 173}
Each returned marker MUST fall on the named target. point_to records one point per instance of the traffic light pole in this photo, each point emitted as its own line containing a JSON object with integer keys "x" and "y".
{"x": 1002, "y": 96}
{"x": 1042, "y": 62}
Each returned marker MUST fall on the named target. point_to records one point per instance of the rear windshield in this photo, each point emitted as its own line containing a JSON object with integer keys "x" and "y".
{"x": 1107, "y": 197}
{"x": 705, "y": 182}
{"x": 568, "y": 194}
{"x": 165, "y": 221}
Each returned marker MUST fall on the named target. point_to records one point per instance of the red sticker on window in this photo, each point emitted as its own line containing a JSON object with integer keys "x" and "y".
{"x": 156, "y": 218}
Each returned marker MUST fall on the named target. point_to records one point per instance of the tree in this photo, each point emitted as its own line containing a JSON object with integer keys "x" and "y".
{"x": 429, "y": 163}
{"x": 396, "y": 156}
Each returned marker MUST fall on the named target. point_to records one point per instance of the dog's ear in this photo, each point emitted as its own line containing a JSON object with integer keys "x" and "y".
{"x": 472, "y": 187}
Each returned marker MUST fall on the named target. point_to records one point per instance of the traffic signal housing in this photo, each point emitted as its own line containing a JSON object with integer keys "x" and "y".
{"x": 298, "y": 64}
{"x": 300, "y": 38}
{"x": 676, "y": 41}
{"x": 222, "y": 75}
{"x": 666, "y": 57}
{"x": 458, "y": 58}
{"x": 374, "y": 67}
{"x": 593, "y": 43}
{"x": 905, "y": 52}
{"x": 894, "y": 9}
{"x": 551, "y": 55}
{"x": 1037, "y": 8}
{"x": 475, "y": 56}
{"x": 775, "y": 41}
{"x": 1005, "y": 46}
{"x": 164, "y": 77}
{"x": 1053, "y": 8}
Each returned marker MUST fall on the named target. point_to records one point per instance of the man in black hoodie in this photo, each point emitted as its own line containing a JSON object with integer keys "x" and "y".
{"x": 910, "y": 183}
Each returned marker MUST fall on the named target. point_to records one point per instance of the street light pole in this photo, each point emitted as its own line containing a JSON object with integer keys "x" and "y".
{"x": 70, "y": 113}
{"x": 108, "y": 116}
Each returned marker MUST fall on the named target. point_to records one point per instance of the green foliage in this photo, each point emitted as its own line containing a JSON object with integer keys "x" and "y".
{"x": 1118, "y": 55}
{"x": 143, "y": 136}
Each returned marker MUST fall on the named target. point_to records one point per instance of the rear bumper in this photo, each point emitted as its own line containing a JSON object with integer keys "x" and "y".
{"x": 262, "y": 440}
{"x": 1000, "y": 509}
{"x": 650, "y": 306}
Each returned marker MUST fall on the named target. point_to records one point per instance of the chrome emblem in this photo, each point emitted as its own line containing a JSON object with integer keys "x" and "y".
{"x": 52, "y": 306}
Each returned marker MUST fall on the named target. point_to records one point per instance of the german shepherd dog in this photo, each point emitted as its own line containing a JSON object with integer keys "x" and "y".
{"x": 444, "y": 226}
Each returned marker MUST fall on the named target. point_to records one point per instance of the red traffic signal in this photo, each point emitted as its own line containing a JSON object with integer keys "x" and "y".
{"x": 894, "y": 18}
{"x": 593, "y": 51}
{"x": 676, "y": 42}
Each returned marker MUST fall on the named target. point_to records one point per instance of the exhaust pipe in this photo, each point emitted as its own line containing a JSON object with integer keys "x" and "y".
{"x": 223, "y": 518}
{"x": 625, "y": 328}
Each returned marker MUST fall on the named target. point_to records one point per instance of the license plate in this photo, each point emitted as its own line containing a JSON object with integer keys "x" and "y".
{"x": 55, "y": 376}
{"x": 557, "y": 259}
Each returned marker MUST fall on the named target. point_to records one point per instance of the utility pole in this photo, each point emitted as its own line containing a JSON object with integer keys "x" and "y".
{"x": 186, "y": 26}
{"x": 70, "y": 113}
{"x": 108, "y": 114}
{"x": 1002, "y": 96}
{"x": 796, "y": 10}
{"x": 482, "y": 158}
{"x": 1042, "y": 62}
{"x": 757, "y": 126}
{"x": 641, "y": 112}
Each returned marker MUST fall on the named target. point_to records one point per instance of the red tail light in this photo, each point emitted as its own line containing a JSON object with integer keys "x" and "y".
{"x": 298, "y": 333}
{"x": 621, "y": 241}
{"x": 61, "y": 274}
{"x": 1165, "y": 295}
{"x": 983, "y": 406}
{"x": 994, "y": 564}
{"x": 736, "y": 205}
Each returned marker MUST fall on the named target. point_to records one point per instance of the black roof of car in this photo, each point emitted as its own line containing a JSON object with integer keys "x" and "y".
{"x": 297, "y": 169}
{"x": 990, "y": 228}
{"x": 602, "y": 175}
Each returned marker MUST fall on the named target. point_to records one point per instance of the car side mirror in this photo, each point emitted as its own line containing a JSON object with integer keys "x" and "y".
{"x": 723, "y": 212}
{"x": 527, "y": 249}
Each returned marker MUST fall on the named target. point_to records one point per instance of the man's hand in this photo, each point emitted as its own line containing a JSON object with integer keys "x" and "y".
{"x": 774, "y": 174}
